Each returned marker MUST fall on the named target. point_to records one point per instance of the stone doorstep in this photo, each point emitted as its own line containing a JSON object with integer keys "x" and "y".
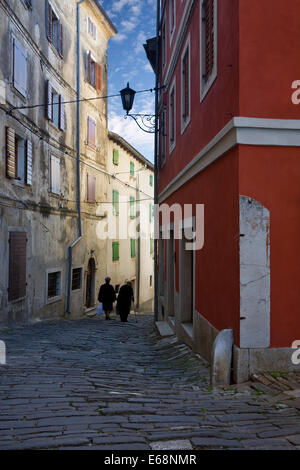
{"x": 164, "y": 329}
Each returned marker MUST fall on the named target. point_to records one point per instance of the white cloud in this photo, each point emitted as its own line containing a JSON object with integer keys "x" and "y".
{"x": 119, "y": 37}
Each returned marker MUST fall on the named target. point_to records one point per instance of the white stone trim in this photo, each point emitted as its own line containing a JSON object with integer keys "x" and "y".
{"x": 172, "y": 145}
{"x": 185, "y": 121}
{"x": 205, "y": 86}
{"x": 239, "y": 131}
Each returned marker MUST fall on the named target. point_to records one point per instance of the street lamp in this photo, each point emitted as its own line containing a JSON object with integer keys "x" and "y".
{"x": 146, "y": 122}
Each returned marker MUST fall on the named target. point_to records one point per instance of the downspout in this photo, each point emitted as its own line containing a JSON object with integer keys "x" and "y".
{"x": 156, "y": 163}
{"x": 78, "y": 139}
{"x": 138, "y": 214}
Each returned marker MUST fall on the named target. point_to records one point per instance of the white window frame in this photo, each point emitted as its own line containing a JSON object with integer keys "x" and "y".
{"x": 186, "y": 120}
{"x": 205, "y": 86}
{"x": 164, "y": 45}
{"x": 170, "y": 19}
{"x": 57, "y": 297}
{"x": 172, "y": 145}
{"x": 162, "y": 136}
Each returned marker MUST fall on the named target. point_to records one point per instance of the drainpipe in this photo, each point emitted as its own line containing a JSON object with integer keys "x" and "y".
{"x": 78, "y": 139}
{"x": 156, "y": 163}
{"x": 138, "y": 214}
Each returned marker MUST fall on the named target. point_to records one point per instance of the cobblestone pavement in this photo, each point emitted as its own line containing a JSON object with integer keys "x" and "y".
{"x": 95, "y": 384}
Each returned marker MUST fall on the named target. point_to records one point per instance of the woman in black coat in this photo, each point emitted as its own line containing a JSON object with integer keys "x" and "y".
{"x": 125, "y": 298}
{"x": 107, "y": 296}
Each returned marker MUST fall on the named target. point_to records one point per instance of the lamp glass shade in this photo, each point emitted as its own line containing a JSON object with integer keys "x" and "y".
{"x": 127, "y": 95}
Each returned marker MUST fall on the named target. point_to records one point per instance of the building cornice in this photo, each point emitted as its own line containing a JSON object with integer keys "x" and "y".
{"x": 128, "y": 147}
{"x": 239, "y": 131}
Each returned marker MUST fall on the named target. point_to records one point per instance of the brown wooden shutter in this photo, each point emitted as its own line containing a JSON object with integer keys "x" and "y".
{"x": 99, "y": 77}
{"x": 209, "y": 37}
{"x": 186, "y": 84}
{"x": 61, "y": 52}
{"x": 49, "y": 108}
{"x": 91, "y": 188}
{"x": 29, "y": 163}
{"x": 10, "y": 153}
{"x": 17, "y": 265}
{"x": 61, "y": 113}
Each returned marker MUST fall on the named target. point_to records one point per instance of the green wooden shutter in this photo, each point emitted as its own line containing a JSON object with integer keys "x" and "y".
{"x": 133, "y": 249}
{"x": 116, "y": 157}
{"x": 115, "y": 251}
{"x": 150, "y": 212}
{"x": 151, "y": 180}
{"x": 115, "y": 202}
{"x": 151, "y": 246}
{"x": 132, "y": 168}
{"x": 132, "y": 211}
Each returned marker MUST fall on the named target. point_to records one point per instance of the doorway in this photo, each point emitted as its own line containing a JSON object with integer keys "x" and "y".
{"x": 90, "y": 284}
{"x": 187, "y": 275}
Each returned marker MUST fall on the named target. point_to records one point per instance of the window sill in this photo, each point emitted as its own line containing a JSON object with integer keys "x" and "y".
{"x": 15, "y": 301}
{"x": 188, "y": 328}
{"x": 54, "y": 299}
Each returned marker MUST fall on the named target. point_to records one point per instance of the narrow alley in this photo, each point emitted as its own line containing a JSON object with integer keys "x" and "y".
{"x": 95, "y": 384}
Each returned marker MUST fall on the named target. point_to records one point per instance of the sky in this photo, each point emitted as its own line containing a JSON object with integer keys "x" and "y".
{"x": 135, "y": 21}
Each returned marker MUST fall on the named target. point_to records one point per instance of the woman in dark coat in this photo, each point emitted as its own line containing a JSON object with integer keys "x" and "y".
{"x": 107, "y": 296}
{"x": 125, "y": 298}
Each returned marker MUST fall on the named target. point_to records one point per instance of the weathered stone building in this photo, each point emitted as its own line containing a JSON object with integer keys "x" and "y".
{"x": 131, "y": 189}
{"x": 53, "y": 156}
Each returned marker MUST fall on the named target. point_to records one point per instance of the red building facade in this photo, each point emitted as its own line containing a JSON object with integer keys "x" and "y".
{"x": 229, "y": 139}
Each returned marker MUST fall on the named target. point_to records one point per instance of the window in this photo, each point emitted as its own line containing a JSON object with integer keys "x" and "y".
{"x": 117, "y": 288}
{"x": 55, "y": 175}
{"x": 150, "y": 281}
{"x": 163, "y": 46}
{"x": 185, "y": 87}
{"x": 54, "y": 285}
{"x": 91, "y": 132}
{"x": 54, "y": 29}
{"x": 115, "y": 251}
{"x": 115, "y": 202}
{"x": 91, "y": 188}
{"x": 151, "y": 211}
{"x": 131, "y": 168}
{"x": 19, "y": 68}
{"x": 172, "y": 118}
{"x": 91, "y": 28}
{"x": 163, "y": 137}
{"x": 17, "y": 266}
{"x": 172, "y": 18}
{"x": 18, "y": 157}
{"x": 208, "y": 49}
{"x": 115, "y": 156}
{"x": 132, "y": 207}
{"x": 94, "y": 72}
{"x": 76, "y": 278}
{"x": 133, "y": 247}
{"x": 151, "y": 180}
{"x": 55, "y": 108}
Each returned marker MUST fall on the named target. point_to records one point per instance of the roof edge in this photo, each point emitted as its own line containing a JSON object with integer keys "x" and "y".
{"x": 127, "y": 146}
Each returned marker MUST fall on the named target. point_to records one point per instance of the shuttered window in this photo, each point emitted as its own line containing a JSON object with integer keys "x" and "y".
{"x": 54, "y": 29}
{"x": 91, "y": 188}
{"x": 163, "y": 140}
{"x": 28, "y": 3}
{"x": 186, "y": 85}
{"x": 115, "y": 251}
{"x": 115, "y": 202}
{"x": 19, "y": 68}
{"x": 132, "y": 207}
{"x": 132, "y": 168}
{"x": 151, "y": 246}
{"x": 151, "y": 208}
{"x": 172, "y": 116}
{"x": 172, "y": 16}
{"x": 17, "y": 265}
{"x": 209, "y": 47}
{"x": 55, "y": 175}
{"x": 151, "y": 180}
{"x": 91, "y": 132}
{"x": 133, "y": 247}
{"x": 115, "y": 156}
{"x": 92, "y": 28}
{"x": 55, "y": 107}
{"x": 19, "y": 157}
{"x": 93, "y": 72}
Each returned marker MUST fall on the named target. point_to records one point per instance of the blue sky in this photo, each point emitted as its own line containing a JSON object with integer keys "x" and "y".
{"x": 135, "y": 21}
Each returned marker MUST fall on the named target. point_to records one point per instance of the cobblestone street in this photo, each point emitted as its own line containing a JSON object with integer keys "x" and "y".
{"x": 95, "y": 384}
